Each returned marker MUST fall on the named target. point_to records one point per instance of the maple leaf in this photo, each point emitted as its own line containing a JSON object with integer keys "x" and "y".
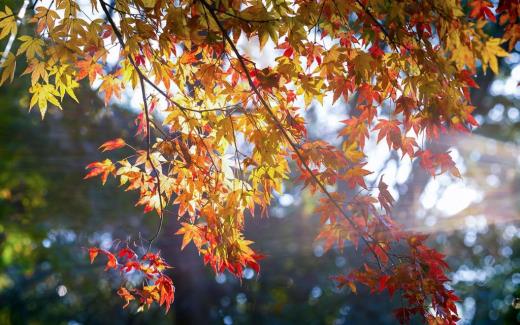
{"x": 332, "y": 235}
{"x": 130, "y": 266}
{"x": 93, "y": 252}
{"x": 30, "y": 46}
{"x": 405, "y": 105}
{"x": 126, "y": 295}
{"x": 446, "y": 163}
{"x": 343, "y": 281}
{"x": 353, "y": 152}
{"x": 127, "y": 252}
{"x": 408, "y": 145}
{"x": 190, "y": 232}
{"x": 341, "y": 87}
{"x": 110, "y": 86}
{"x": 8, "y": 23}
{"x": 8, "y": 67}
{"x": 38, "y": 71}
{"x": 113, "y": 144}
{"x": 385, "y": 198}
{"x": 90, "y": 69}
{"x": 151, "y": 201}
{"x": 167, "y": 291}
{"x": 466, "y": 76}
{"x": 103, "y": 168}
{"x": 356, "y": 129}
{"x": 432, "y": 162}
{"x": 354, "y": 176}
{"x": 490, "y": 51}
{"x": 43, "y": 94}
{"x": 482, "y": 9}
{"x": 390, "y": 130}
{"x": 368, "y": 94}
{"x": 112, "y": 261}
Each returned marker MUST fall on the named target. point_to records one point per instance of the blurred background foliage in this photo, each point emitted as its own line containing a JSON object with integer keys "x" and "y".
{"x": 49, "y": 215}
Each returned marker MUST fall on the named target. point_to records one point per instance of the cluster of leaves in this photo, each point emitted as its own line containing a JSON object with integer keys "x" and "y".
{"x": 508, "y": 12}
{"x": 425, "y": 271}
{"x": 157, "y": 286}
{"x": 229, "y": 126}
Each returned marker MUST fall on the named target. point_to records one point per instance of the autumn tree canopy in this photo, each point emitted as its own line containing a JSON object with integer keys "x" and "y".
{"x": 219, "y": 132}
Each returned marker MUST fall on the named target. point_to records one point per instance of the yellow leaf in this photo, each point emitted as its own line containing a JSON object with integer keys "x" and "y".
{"x": 43, "y": 94}
{"x": 352, "y": 151}
{"x": 30, "y": 46}
{"x": 263, "y": 37}
{"x": 38, "y": 71}
{"x": 7, "y": 23}
{"x": 490, "y": 52}
{"x": 8, "y": 68}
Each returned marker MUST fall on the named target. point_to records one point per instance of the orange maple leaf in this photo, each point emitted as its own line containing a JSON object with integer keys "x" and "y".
{"x": 112, "y": 144}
